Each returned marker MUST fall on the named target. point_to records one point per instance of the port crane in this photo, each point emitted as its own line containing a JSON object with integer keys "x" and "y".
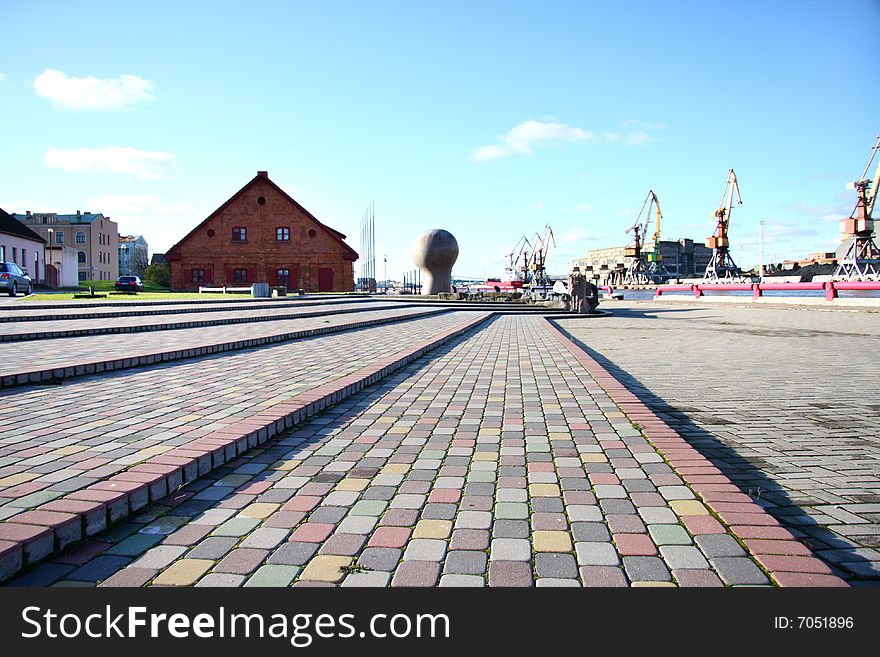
{"x": 519, "y": 253}
{"x": 646, "y": 267}
{"x": 722, "y": 267}
{"x": 539, "y": 256}
{"x": 862, "y": 259}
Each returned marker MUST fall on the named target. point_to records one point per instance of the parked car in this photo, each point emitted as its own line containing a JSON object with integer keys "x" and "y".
{"x": 13, "y": 280}
{"x": 129, "y": 284}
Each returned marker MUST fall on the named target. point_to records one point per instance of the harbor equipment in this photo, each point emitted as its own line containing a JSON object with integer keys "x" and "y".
{"x": 721, "y": 267}
{"x": 862, "y": 259}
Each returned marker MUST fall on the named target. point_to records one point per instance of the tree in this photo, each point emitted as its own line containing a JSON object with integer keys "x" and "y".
{"x": 158, "y": 274}
{"x": 138, "y": 263}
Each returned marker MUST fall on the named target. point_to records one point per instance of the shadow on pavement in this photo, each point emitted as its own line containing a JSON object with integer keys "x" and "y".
{"x": 749, "y": 476}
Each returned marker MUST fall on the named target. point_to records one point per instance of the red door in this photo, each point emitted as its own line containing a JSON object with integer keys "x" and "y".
{"x": 52, "y": 276}
{"x": 325, "y": 279}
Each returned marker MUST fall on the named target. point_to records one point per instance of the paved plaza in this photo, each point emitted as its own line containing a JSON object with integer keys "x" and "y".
{"x": 782, "y": 399}
{"x": 419, "y": 445}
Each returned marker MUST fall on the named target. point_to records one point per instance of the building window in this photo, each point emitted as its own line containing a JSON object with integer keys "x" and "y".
{"x": 81, "y": 257}
{"x": 80, "y": 237}
{"x": 283, "y": 277}
{"x": 239, "y": 234}
{"x": 198, "y": 276}
{"x": 312, "y": 232}
{"x": 83, "y": 276}
{"x": 239, "y": 276}
{"x": 59, "y": 237}
{"x": 24, "y": 258}
{"x": 14, "y": 254}
{"x": 2, "y": 253}
{"x": 282, "y": 234}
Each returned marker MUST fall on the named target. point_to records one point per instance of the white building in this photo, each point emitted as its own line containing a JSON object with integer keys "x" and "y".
{"x": 21, "y": 245}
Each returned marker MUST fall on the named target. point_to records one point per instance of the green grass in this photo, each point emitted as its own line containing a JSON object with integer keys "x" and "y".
{"x": 108, "y": 286}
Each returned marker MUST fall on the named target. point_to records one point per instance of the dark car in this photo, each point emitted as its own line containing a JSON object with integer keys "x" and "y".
{"x": 129, "y": 284}
{"x": 13, "y": 280}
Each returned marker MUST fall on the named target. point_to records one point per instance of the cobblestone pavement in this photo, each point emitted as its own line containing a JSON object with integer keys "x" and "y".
{"x": 782, "y": 400}
{"x": 57, "y": 439}
{"x": 69, "y": 352}
{"x": 496, "y": 460}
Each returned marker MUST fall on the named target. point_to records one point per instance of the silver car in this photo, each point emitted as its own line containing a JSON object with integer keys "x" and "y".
{"x": 13, "y": 280}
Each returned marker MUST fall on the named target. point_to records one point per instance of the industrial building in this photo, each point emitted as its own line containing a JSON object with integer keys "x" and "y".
{"x": 682, "y": 258}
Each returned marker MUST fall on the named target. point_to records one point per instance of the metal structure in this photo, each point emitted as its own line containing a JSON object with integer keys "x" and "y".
{"x": 539, "y": 257}
{"x": 646, "y": 267}
{"x": 722, "y": 267}
{"x": 862, "y": 259}
{"x": 520, "y": 254}
{"x": 367, "y": 280}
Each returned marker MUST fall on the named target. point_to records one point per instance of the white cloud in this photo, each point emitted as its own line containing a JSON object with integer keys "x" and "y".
{"x": 21, "y": 207}
{"x": 583, "y": 207}
{"x": 540, "y": 205}
{"x": 578, "y": 234}
{"x": 530, "y": 135}
{"x": 146, "y": 165}
{"x": 2, "y": 77}
{"x": 642, "y": 125}
{"x": 92, "y": 93}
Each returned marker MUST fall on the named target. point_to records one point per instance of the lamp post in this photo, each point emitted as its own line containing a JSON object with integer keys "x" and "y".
{"x": 386, "y": 273}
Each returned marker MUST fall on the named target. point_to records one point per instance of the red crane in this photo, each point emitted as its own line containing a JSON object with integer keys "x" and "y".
{"x": 722, "y": 267}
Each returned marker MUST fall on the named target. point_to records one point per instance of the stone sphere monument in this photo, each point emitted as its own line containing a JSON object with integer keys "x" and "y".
{"x": 434, "y": 252}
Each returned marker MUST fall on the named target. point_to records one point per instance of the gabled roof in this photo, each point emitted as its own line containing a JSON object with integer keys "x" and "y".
{"x": 12, "y": 226}
{"x": 263, "y": 176}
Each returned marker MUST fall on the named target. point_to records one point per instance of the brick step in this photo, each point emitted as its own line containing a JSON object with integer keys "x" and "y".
{"x": 35, "y": 369}
{"x": 181, "y": 324}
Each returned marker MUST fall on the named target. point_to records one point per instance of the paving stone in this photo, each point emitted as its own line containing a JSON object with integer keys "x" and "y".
{"x": 646, "y": 569}
{"x": 683, "y": 557}
{"x": 159, "y": 557}
{"x": 135, "y": 545}
{"x": 213, "y": 547}
{"x": 551, "y": 541}
{"x": 669, "y": 535}
{"x": 129, "y": 577}
{"x": 273, "y": 575}
{"x": 326, "y": 568}
{"x": 371, "y": 579}
{"x": 596, "y": 554}
{"x": 343, "y": 544}
{"x": 184, "y": 572}
{"x": 510, "y": 529}
{"x": 241, "y": 561}
{"x": 385, "y": 559}
{"x": 720, "y": 545}
{"x": 510, "y": 574}
{"x": 416, "y": 573}
{"x": 738, "y": 570}
{"x": 556, "y": 565}
{"x": 462, "y": 581}
{"x": 509, "y": 549}
{"x": 425, "y": 550}
{"x": 469, "y": 539}
{"x": 293, "y": 554}
{"x": 590, "y": 532}
{"x": 221, "y": 580}
{"x": 602, "y": 576}
{"x": 265, "y": 538}
{"x": 696, "y": 578}
{"x": 465, "y": 562}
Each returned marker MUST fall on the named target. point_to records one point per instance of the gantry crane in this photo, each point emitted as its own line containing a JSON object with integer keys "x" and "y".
{"x": 539, "y": 256}
{"x": 656, "y": 271}
{"x": 517, "y": 271}
{"x": 646, "y": 267}
{"x": 722, "y": 267}
{"x": 862, "y": 258}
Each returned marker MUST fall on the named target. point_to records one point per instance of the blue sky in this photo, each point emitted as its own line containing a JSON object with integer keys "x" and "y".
{"x": 489, "y": 119}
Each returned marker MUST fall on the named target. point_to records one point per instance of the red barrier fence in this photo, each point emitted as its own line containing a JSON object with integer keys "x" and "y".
{"x": 831, "y": 288}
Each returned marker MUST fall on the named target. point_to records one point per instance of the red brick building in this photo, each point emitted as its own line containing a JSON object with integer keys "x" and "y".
{"x": 262, "y": 235}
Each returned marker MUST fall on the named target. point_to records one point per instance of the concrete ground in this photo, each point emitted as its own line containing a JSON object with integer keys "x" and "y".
{"x": 782, "y": 399}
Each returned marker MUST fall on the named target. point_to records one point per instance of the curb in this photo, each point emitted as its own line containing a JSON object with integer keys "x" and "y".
{"x": 56, "y": 374}
{"x": 789, "y": 562}
{"x": 32, "y": 535}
